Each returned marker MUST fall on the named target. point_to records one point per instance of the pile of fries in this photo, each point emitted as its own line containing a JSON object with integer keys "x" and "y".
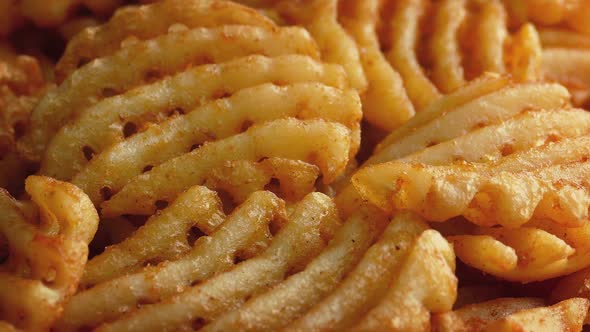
{"x": 294, "y": 165}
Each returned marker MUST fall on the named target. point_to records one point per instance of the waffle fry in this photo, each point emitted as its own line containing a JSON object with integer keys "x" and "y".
{"x": 404, "y": 34}
{"x": 321, "y": 143}
{"x": 385, "y": 102}
{"x": 447, "y": 69}
{"x": 148, "y": 21}
{"x": 311, "y": 224}
{"x": 454, "y": 115}
{"x": 541, "y": 182}
{"x": 100, "y": 126}
{"x": 366, "y": 295}
{"x": 214, "y": 147}
{"x": 21, "y": 84}
{"x": 303, "y": 290}
{"x": 319, "y": 17}
{"x": 246, "y": 228}
{"x": 48, "y": 244}
{"x": 515, "y": 314}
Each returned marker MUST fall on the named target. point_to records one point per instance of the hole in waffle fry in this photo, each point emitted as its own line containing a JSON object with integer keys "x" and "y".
{"x": 195, "y": 146}
{"x": 106, "y": 193}
{"x": 506, "y": 149}
{"x": 198, "y": 323}
{"x": 88, "y": 152}
{"x": 19, "y": 128}
{"x": 273, "y": 186}
{"x": 82, "y": 61}
{"x": 152, "y": 75}
{"x": 194, "y": 234}
{"x": 245, "y": 125}
{"x": 147, "y": 168}
{"x": 108, "y": 92}
{"x": 161, "y": 204}
{"x": 176, "y": 111}
{"x": 129, "y": 129}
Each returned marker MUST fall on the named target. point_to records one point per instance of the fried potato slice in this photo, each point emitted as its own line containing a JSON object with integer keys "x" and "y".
{"x": 385, "y": 102}
{"x": 491, "y": 143}
{"x": 247, "y": 228}
{"x": 404, "y": 36}
{"x": 290, "y": 179}
{"x": 453, "y": 116}
{"x": 489, "y": 33}
{"x": 511, "y": 269}
{"x": 222, "y": 118}
{"x": 567, "y": 315}
{"x": 476, "y": 317}
{"x": 21, "y": 83}
{"x": 311, "y": 224}
{"x": 148, "y": 21}
{"x": 112, "y": 119}
{"x": 300, "y": 292}
{"x": 523, "y": 56}
{"x": 48, "y": 248}
{"x": 425, "y": 283}
{"x": 319, "y": 17}
{"x": 541, "y": 182}
{"x": 499, "y": 250}
{"x": 482, "y": 86}
{"x": 321, "y": 143}
{"x": 197, "y": 207}
{"x": 533, "y": 246}
{"x": 446, "y": 123}
{"x": 368, "y": 282}
{"x": 144, "y": 62}
{"x": 444, "y": 48}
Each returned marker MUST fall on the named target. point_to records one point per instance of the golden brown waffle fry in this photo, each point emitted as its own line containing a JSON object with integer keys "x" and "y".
{"x": 310, "y": 225}
{"x": 515, "y": 314}
{"x": 488, "y": 37}
{"x": 565, "y": 250}
{"x": 385, "y": 102}
{"x": 523, "y": 54}
{"x": 452, "y": 120}
{"x": 317, "y": 142}
{"x": 48, "y": 247}
{"x": 376, "y": 288}
{"x": 445, "y": 52}
{"x": 426, "y": 284}
{"x": 485, "y": 102}
{"x": 126, "y": 118}
{"x": 404, "y": 35}
{"x": 545, "y": 182}
{"x": 197, "y": 207}
{"x": 300, "y": 292}
{"x": 246, "y": 230}
{"x": 149, "y": 21}
{"x": 319, "y": 17}
{"x": 21, "y": 84}
{"x": 21, "y": 80}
